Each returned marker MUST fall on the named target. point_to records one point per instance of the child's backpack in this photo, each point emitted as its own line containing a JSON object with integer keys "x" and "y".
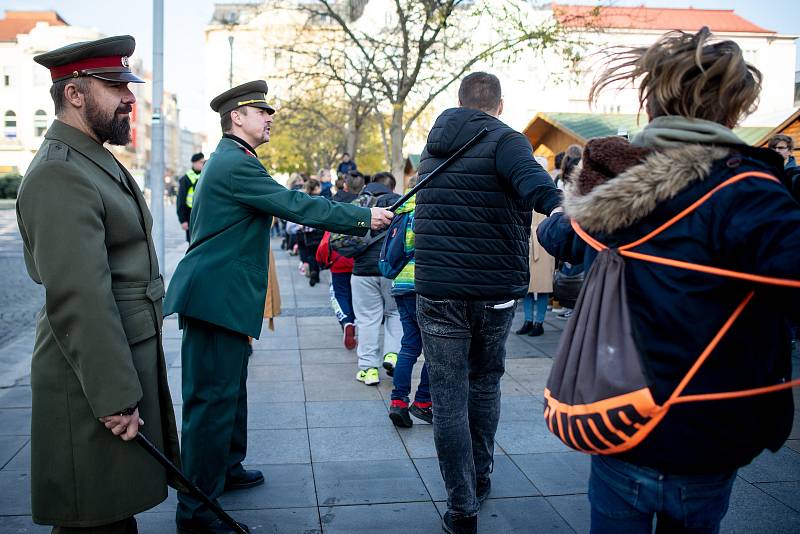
{"x": 394, "y": 253}
{"x": 351, "y": 246}
{"x": 597, "y": 398}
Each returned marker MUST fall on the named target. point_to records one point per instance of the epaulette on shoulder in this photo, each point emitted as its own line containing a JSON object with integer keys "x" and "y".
{"x": 56, "y": 151}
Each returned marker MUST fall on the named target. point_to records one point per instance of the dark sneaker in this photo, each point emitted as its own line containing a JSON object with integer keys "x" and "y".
{"x": 248, "y": 479}
{"x": 483, "y": 489}
{"x": 398, "y": 413}
{"x": 349, "y": 336}
{"x": 423, "y": 411}
{"x": 536, "y": 330}
{"x": 526, "y": 327}
{"x": 459, "y": 525}
{"x": 390, "y": 362}
{"x": 215, "y": 527}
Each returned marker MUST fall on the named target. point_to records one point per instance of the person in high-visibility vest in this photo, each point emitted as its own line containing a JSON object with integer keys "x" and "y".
{"x": 186, "y": 187}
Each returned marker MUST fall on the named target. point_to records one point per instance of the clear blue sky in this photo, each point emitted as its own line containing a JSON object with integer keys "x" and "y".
{"x": 184, "y": 21}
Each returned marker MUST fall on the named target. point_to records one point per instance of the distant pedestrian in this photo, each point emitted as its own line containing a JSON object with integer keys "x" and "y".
{"x": 310, "y": 237}
{"x": 340, "y": 292}
{"x": 534, "y": 304}
{"x": 186, "y": 187}
{"x": 373, "y": 303}
{"x": 783, "y": 145}
{"x": 344, "y": 191}
{"x": 326, "y": 185}
{"x": 401, "y": 408}
{"x": 346, "y": 166}
{"x": 98, "y": 370}
{"x": 472, "y": 226}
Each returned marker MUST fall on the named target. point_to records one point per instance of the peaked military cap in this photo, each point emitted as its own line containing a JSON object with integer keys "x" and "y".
{"x": 106, "y": 59}
{"x": 252, "y": 94}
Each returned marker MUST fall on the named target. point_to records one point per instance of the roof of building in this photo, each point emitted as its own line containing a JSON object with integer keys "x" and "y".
{"x": 585, "y": 126}
{"x": 655, "y": 18}
{"x": 21, "y": 22}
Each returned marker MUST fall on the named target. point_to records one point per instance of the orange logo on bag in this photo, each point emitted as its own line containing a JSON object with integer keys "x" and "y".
{"x": 621, "y": 422}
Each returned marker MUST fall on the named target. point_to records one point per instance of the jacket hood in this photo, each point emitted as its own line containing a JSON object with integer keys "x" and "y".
{"x": 453, "y": 128}
{"x": 376, "y": 189}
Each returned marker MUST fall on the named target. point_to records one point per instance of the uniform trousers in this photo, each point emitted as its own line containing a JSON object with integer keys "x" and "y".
{"x": 214, "y": 428}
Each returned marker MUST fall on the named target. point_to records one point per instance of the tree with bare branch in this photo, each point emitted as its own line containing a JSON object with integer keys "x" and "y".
{"x": 395, "y": 57}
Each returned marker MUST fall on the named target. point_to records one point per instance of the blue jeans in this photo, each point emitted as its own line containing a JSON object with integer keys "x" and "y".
{"x": 464, "y": 344}
{"x": 535, "y": 302}
{"x": 625, "y": 497}
{"x": 410, "y": 349}
{"x": 342, "y": 298}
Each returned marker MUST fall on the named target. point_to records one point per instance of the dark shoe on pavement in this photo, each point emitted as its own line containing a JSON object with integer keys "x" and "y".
{"x": 459, "y": 525}
{"x": 249, "y": 479}
{"x": 313, "y": 278}
{"x": 423, "y": 411}
{"x": 349, "y": 336}
{"x": 536, "y": 330}
{"x": 215, "y": 527}
{"x": 398, "y": 413}
{"x": 483, "y": 489}
{"x": 526, "y": 327}
{"x": 390, "y": 362}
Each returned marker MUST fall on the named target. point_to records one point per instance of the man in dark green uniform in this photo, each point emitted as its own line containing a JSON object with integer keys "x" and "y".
{"x": 219, "y": 289}
{"x": 98, "y": 358}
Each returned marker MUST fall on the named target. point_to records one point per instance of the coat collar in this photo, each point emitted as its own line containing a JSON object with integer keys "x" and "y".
{"x": 631, "y": 195}
{"x": 82, "y": 143}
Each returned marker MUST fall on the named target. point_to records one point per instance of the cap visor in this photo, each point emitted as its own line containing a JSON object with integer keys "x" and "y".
{"x": 269, "y": 108}
{"x": 118, "y": 77}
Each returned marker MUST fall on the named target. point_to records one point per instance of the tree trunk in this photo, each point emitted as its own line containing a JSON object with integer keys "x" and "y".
{"x": 351, "y": 133}
{"x": 396, "y": 134}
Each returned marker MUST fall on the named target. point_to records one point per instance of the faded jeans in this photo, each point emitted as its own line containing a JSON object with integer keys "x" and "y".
{"x": 464, "y": 345}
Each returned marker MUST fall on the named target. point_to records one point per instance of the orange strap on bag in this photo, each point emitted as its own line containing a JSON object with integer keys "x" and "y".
{"x": 625, "y": 251}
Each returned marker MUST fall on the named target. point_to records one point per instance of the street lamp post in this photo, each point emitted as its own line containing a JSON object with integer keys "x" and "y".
{"x": 230, "y": 72}
{"x": 231, "y": 19}
{"x": 157, "y": 135}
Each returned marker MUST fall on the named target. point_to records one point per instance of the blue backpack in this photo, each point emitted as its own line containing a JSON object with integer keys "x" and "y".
{"x": 394, "y": 255}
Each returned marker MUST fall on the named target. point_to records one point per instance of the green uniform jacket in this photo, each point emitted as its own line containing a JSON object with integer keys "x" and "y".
{"x": 86, "y": 233}
{"x": 223, "y": 277}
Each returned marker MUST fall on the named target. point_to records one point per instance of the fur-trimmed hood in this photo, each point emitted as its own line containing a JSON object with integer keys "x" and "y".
{"x": 602, "y": 200}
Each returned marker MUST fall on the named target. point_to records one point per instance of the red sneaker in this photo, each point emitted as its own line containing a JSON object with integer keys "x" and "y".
{"x": 349, "y": 336}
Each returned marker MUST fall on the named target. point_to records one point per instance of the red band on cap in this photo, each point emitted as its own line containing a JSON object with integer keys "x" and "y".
{"x": 92, "y": 63}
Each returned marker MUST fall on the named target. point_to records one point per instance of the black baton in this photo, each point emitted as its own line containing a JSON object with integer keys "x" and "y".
{"x": 151, "y": 449}
{"x": 422, "y": 183}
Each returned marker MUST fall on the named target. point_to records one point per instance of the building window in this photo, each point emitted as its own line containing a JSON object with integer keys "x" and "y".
{"x": 10, "y": 125}
{"x": 39, "y": 122}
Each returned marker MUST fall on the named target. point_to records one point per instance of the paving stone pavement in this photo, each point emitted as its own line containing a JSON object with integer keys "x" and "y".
{"x": 335, "y": 464}
{"x": 21, "y": 300}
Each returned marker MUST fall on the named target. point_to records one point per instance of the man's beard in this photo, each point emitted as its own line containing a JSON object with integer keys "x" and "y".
{"x": 109, "y": 127}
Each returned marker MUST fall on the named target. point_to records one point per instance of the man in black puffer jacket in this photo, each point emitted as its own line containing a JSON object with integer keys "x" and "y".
{"x": 472, "y": 226}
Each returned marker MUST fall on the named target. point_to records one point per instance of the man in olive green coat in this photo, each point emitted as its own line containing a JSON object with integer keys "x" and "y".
{"x": 219, "y": 288}
{"x": 98, "y": 369}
